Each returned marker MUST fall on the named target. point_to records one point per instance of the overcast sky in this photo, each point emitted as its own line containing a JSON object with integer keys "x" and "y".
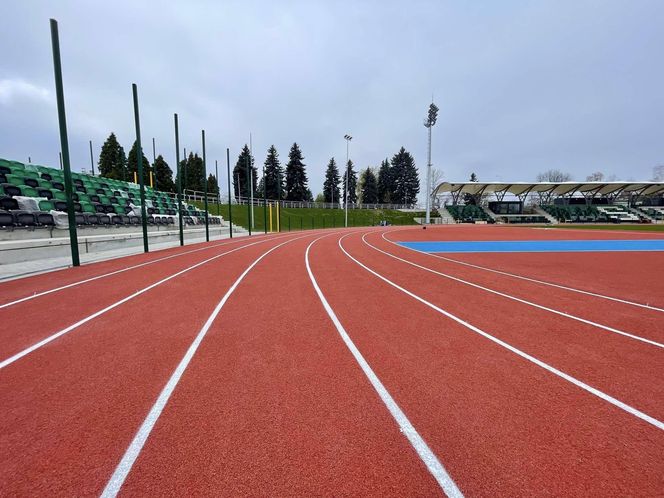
{"x": 522, "y": 86}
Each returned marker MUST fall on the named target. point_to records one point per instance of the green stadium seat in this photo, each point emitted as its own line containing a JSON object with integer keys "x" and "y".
{"x": 46, "y": 205}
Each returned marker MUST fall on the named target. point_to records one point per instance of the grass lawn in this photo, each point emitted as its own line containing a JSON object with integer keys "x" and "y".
{"x": 308, "y": 218}
{"x": 641, "y": 227}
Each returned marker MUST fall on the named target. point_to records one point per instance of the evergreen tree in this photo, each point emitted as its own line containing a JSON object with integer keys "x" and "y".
{"x": 331, "y": 191}
{"x": 296, "y": 177}
{"x": 193, "y": 174}
{"x": 112, "y": 160}
{"x": 132, "y": 166}
{"x": 406, "y": 178}
{"x": 352, "y": 184}
{"x": 385, "y": 183}
{"x": 369, "y": 187}
{"x": 163, "y": 175}
{"x": 213, "y": 186}
{"x": 242, "y": 188}
{"x": 274, "y": 175}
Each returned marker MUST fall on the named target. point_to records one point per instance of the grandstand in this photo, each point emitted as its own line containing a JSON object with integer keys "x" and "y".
{"x": 33, "y": 196}
{"x": 554, "y": 202}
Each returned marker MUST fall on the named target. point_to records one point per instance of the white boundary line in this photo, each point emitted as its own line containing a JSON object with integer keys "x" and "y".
{"x": 427, "y": 456}
{"x": 514, "y": 298}
{"x": 596, "y": 392}
{"x": 66, "y": 330}
{"x": 131, "y": 454}
{"x": 513, "y": 275}
{"x": 115, "y": 272}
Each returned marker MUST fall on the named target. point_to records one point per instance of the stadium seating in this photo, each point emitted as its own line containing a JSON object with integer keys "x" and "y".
{"x": 655, "y": 212}
{"x": 582, "y": 213}
{"x": 98, "y": 200}
{"x": 468, "y": 213}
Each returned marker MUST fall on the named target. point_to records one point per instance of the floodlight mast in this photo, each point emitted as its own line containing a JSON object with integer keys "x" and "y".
{"x": 348, "y": 138}
{"x": 428, "y": 123}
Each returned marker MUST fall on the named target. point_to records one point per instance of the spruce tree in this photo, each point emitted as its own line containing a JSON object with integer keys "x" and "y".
{"x": 406, "y": 178}
{"x": 331, "y": 191}
{"x": 132, "y": 166}
{"x": 352, "y": 184}
{"x": 242, "y": 188}
{"x": 385, "y": 183}
{"x": 369, "y": 187}
{"x": 296, "y": 177}
{"x": 112, "y": 160}
{"x": 274, "y": 176}
{"x": 163, "y": 175}
{"x": 212, "y": 187}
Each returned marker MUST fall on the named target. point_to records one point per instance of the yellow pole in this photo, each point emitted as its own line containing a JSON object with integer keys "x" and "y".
{"x": 151, "y": 183}
{"x": 135, "y": 179}
{"x": 270, "y": 216}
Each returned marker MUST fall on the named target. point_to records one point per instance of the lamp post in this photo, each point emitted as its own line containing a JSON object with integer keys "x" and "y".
{"x": 348, "y": 138}
{"x": 428, "y": 123}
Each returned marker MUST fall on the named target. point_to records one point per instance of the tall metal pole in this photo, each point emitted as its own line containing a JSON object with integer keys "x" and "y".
{"x": 92, "y": 161}
{"x": 207, "y": 226}
{"x": 179, "y": 175}
{"x": 265, "y": 201}
{"x": 429, "y": 122}
{"x": 249, "y": 206}
{"x": 251, "y": 182}
{"x": 61, "y": 166}
{"x": 348, "y": 139}
{"x": 154, "y": 160}
{"x": 216, "y": 179}
{"x": 64, "y": 143}
{"x": 139, "y": 159}
{"x": 228, "y": 171}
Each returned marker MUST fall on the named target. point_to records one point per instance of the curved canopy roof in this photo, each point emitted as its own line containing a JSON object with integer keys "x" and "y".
{"x": 552, "y": 188}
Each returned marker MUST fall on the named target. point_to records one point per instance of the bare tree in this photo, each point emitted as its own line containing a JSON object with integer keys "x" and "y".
{"x": 658, "y": 173}
{"x": 597, "y": 176}
{"x": 436, "y": 178}
{"x": 554, "y": 176}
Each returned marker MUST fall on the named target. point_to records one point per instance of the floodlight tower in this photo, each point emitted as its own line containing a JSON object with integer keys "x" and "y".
{"x": 428, "y": 123}
{"x": 348, "y": 138}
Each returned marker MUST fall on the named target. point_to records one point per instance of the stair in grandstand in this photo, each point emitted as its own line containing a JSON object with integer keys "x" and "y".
{"x": 32, "y": 196}
{"x": 542, "y": 212}
{"x": 654, "y": 214}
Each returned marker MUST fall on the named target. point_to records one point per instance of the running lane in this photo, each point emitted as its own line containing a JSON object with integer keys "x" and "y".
{"x": 648, "y": 323}
{"x": 627, "y": 369}
{"x": 38, "y": 318}
{"x": 273, "y": 404}
{"x": 70, "y": 409}
{"x": 594, "y": 273}
{"x": 501, "y": 425}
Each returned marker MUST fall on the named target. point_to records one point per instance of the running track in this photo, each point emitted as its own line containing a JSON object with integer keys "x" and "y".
{"x": 335, "y": 362}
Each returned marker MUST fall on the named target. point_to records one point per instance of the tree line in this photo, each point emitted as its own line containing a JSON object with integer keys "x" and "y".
{"x": 396, "y": 181}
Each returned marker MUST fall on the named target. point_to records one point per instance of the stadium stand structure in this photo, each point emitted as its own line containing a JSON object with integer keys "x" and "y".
{"x": 32, "y": 196}
{"x": 548, "y": 202}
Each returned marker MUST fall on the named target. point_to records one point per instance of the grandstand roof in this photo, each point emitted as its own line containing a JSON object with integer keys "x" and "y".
{"x": 551, "y": 188}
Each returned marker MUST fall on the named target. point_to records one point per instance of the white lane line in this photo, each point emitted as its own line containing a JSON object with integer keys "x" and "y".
{"x": 596, "y": 392}
{"x": 427, "y": 456}
{"x": 131, "y": 454}
{"x": 74, "y": 284}
{"x": 521, "y": 277}
{"x": 66, "y": 330}
{"x": 523, "y": 301}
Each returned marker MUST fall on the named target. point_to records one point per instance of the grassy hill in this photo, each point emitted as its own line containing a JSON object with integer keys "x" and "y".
{"x": 307, "y": 218}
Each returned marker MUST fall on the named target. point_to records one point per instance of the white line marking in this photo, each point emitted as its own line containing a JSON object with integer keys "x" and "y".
{"x": 523, "y": 301}
{"x": 64, "y": 331}
{"x": 623, "y": 406}
{"x": 419, "y": 445}
{"x": 131, "y": 454}
{"x": 74, "y": 284}
{"x": 513, "y": 275}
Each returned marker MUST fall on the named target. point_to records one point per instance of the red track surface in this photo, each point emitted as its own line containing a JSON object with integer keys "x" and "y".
{"x": 273, "y": 403}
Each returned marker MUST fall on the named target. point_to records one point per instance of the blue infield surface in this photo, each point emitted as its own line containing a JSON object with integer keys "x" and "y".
{"x": 537, "y": 245}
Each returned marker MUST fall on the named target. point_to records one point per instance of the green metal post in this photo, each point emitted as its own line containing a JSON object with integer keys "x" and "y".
{"x": 289, "y": 223}
{"x": 64, "y": 143}
{"x": 230, "y": 208}
{"x": 301, "y": 222}
{"x": 312, "y": 222}
{"x": 205, "y": 203}
{"x": 92, "y": 161}
{"x": 249, "y": 179}
{"x": 179, "y": 174}
{"x": 139, "y": 159}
